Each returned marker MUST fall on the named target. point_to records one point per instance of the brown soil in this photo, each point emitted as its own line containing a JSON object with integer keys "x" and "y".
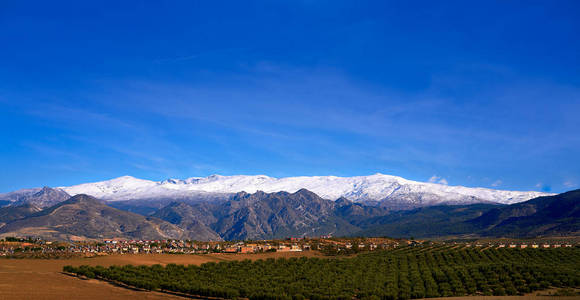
{"x": 42, "y": 278}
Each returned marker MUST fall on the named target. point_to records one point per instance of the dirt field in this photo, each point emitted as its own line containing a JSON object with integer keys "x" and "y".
{"x": 41, "y": 279}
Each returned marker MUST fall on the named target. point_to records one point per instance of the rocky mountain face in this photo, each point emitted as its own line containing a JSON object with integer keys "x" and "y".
{"x": 84, "y": 217}
{"x": 44, "y": 198}
{"x": 39, "y": 197}
{"x": 277, "y": 215}
{"x": 11, "y": 197}
{"x": 197, "y": 218}
{"x": 264, "y": 216}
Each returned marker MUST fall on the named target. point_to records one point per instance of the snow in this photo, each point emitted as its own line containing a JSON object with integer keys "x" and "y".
{"x": 359, "y": 188}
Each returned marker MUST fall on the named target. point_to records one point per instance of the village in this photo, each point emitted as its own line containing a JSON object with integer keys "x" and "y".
{"x": 11, "y": 246}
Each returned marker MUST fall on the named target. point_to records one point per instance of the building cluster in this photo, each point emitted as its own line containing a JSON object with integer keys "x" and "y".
{"x": 286, "y": 245}
{"x": 535, "y": 246}
{"x": 329, "y": 245}
{"x": 189, "y": 247}
{"x": 364, "y": 244}
{"x": 117, "y": 246}
{"x": 521, "y": 245}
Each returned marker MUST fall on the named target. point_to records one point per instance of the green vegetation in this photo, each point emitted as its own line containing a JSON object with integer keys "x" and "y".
{"x": 15, "y": 239}
{"x": 404, "y": 273}
{"x": 566, "y": 292}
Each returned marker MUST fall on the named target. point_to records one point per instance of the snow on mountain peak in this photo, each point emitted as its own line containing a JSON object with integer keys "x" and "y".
{"x": 377, "y": 187}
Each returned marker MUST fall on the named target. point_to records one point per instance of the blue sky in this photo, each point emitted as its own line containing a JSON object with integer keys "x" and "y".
{"x": 469, "y": 93}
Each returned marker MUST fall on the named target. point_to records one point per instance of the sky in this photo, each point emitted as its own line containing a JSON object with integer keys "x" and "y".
{"x": 473, "y": 93}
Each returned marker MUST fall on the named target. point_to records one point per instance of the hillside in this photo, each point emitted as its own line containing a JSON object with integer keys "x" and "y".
{"x": 426, "y": 222}
{"x": 11, "y": 213}
{"x": 85, "y": 217}
{"x": 190, "y": 218}
{"x": 543, "y": 216}
{"x": 557, "y": 215}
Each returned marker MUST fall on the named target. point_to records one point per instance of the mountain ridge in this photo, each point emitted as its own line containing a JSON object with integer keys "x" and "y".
{"x": 392, "y": 191}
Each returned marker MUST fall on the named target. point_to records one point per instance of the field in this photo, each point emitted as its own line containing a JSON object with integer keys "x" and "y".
{"x": 43, "y": 278}
{"x": 406, "y": 273}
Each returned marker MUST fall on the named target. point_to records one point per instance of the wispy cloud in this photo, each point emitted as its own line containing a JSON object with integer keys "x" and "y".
{"x": 200, "y": 55}
{"x": 437, "y": 179}
{"x": 569, "y": 184}
{"x": 313, "y": 119}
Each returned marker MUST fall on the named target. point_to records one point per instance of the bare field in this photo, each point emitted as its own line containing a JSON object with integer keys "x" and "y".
{"x": 41, "y": 278}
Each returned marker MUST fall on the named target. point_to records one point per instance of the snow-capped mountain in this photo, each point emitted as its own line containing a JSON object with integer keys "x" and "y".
{"x": 386, "y": 189}
{"x": 39, "y": 197}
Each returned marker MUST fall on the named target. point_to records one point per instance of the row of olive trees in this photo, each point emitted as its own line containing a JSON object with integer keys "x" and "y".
{"x": 405, "y": 273}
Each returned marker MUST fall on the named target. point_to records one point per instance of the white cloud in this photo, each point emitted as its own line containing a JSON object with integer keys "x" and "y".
{"x": 569, "y": 184}
{"x": 539, "y": 185}
{"x": 496, "y": 183}
{"x": 437, "y": 179}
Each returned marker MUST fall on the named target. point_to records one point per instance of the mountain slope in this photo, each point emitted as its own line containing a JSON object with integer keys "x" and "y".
{"x": 426, "y": 222}
{"x": 85, "y": 217}
{"x": 391, "y": 191}
{"x": 40, "y": 197}
{"x": 45, "y": 197}
{"x": 550, "y": 215}
{"x": 557, "y": 215}
{"x": 193, "y": 219}
{"x": 11, "y": 213}
{"x": 278, "y": 215}
{"x": 11, "y": 197}
{"x": 268, "y": 215}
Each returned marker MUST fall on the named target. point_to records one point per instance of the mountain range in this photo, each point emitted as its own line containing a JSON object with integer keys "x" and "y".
{"x": 387, "y": 191}
{"x": 263, "y": 215}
